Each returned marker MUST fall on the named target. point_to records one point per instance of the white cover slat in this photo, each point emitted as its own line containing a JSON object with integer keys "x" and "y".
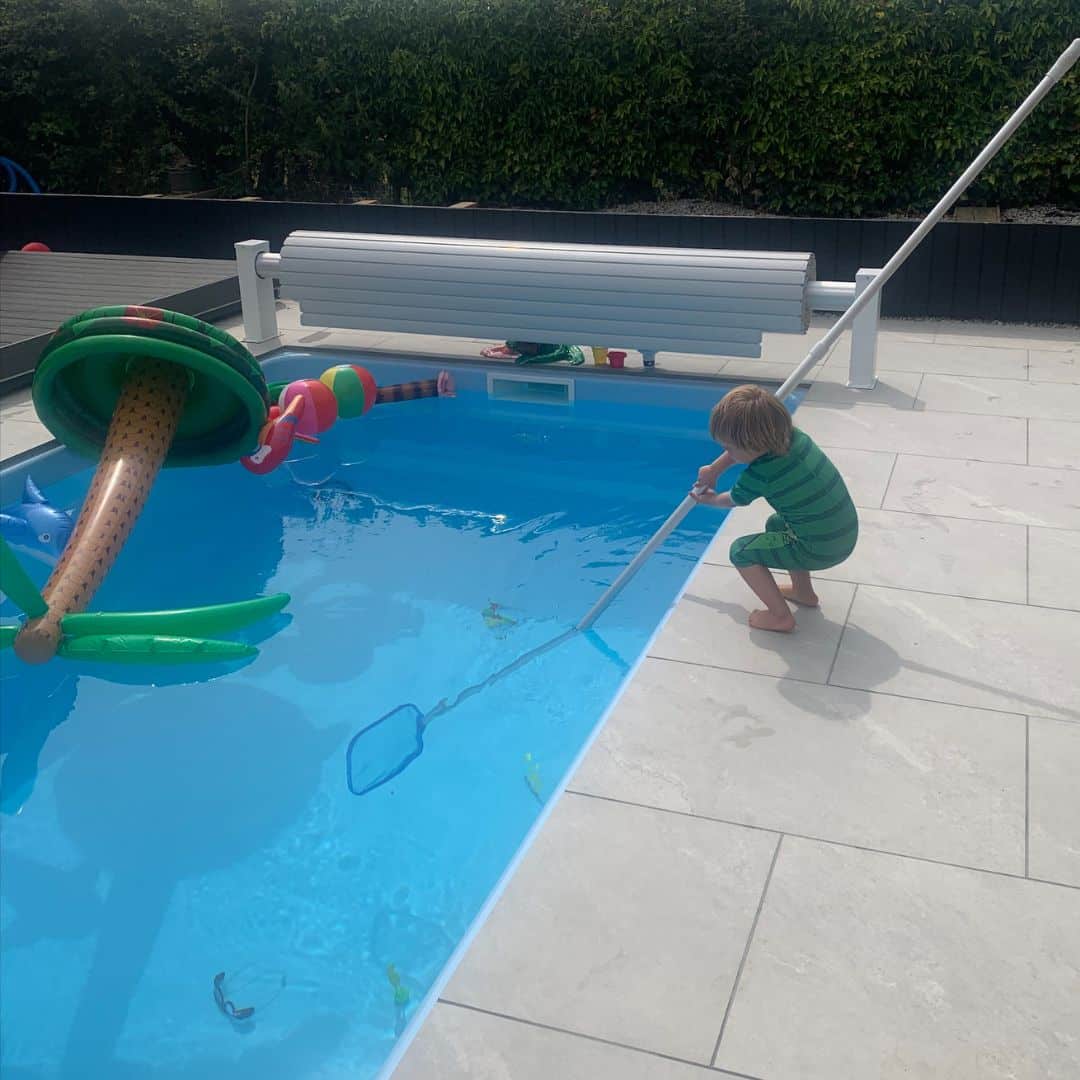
{"x": 345, "y": 275}
{"x": 571, "y": 317}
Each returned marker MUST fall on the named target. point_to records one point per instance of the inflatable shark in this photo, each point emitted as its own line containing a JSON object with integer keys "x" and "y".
{"x": 35, "y": 527}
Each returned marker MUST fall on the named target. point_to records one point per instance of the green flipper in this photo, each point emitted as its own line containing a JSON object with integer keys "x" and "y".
{"x": 17, "y": 584}
{"x": 8, "y": 635}
{"x": 212, "y": 619}
{"x": 153, "y": 649}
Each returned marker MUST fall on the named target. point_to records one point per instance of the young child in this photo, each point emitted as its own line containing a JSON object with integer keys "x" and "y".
{"x": 815, "y": 525}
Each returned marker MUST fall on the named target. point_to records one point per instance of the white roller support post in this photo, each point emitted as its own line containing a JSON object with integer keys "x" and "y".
{"x": 869, "y": 295}
{"x": 256, "y": 293}
{"x": 862, "y": 367}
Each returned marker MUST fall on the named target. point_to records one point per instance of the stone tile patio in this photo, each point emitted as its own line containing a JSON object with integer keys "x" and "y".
{"x": 851, "y": 852}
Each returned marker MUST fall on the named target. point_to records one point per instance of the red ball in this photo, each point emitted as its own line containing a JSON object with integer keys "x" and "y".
{"x": 320, "y": 405}
{"x": 35, "y": 245}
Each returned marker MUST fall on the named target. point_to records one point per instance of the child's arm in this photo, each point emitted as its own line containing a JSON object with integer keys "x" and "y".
{"x": 709, "y": 474}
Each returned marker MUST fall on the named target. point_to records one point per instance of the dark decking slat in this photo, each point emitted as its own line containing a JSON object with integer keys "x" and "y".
{"x": 39, "y": 290}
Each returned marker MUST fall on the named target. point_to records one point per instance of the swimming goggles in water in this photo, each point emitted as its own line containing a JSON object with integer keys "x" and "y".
{"x": 226, "y": 1006}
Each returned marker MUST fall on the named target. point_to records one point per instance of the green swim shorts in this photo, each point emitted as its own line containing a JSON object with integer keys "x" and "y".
{"x": 778, "y": 547}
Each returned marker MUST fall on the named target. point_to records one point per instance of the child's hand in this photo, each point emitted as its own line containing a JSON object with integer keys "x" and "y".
{"x": 707, "y": 476}
{"x": 704, "y": 495}
{"x": 708, "y": 497}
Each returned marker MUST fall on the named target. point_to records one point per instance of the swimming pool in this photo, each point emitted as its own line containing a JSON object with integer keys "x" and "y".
{"x": 157, "y": 836}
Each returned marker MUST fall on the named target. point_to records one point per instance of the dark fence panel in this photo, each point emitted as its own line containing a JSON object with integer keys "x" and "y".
{"x": 1011, "y": 273}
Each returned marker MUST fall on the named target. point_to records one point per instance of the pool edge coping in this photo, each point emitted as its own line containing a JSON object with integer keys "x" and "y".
{"x": 434, "y": 995}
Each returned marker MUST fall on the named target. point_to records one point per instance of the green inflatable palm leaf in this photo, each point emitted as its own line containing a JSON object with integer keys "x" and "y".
{"x": 17, "y": 584}
{"x": 153, "y": 649}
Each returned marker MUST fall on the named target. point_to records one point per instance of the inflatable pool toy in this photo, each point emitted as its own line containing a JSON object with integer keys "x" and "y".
{"x": 346, "y": 391}
{"x": 138, "y": 388}
{"x": 353, "y": 387}
{"x": 320, "y": 406}
{"x": 276, "y": 437}
{"x": 443, "y": 386}
{"x": 35, "y": 527}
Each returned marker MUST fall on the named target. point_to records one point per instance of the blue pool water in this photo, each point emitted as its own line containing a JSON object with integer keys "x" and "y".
{"x": 156, "y": 835}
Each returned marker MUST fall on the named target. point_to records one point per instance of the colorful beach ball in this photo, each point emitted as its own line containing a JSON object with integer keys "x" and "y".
{"x": 353, "y": 387}
{"x": 320, "y": 405}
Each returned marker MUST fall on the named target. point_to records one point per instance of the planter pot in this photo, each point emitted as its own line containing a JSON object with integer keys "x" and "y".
{"x": 184, "y": 178}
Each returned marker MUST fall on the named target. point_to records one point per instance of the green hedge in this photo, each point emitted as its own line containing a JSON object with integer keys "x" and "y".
{"x": 800, "y": 106}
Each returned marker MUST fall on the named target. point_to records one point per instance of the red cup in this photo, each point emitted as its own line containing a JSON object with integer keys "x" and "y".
{"x": 616, "y": 358}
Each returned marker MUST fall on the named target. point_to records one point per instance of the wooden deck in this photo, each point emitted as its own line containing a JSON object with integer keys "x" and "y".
{"x": 38, "y": 291}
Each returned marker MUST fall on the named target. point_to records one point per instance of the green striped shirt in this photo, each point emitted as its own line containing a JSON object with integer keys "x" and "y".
{"x": 805, "y": 489}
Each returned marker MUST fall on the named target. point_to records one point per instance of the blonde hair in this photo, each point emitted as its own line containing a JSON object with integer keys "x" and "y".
{"x": 752, "y": 419}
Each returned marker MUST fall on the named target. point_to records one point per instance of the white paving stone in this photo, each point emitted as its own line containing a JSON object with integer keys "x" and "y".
{"x": 19, "y": 435}
{"x": 1055, "y": 365}
{"x": 709, "y": 627}
{"x": 949, "y": 359}
{"x": 1054, "y": 568}
{"x": 919, "y": 778}
{"x": 866, "y": 965}
{"x": 944, "y": 435}
{"x": 896, "y": 389}
{"x": 18, "y": 405}
{"x": 1015, "y": 494}
{"x": 1000, "y": 397}
{"x": 1054, "y": 770}
{"x": 464, "y": 1044}
{"x": 1054, "y": 443}
{"x": 969, "y": 652}
{"x": 933, "y": 554}
{"x": 624, "y": 923}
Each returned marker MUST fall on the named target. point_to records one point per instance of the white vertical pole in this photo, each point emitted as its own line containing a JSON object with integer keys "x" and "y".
{"x": 862, "y": 368}
{"x": 256, "y": 293}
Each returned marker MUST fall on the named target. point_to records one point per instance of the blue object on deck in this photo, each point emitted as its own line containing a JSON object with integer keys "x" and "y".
{"x": 14, "y": 171}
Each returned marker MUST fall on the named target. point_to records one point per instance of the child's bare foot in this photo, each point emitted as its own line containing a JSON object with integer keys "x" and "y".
{"x": 766, "y": 620}
{"x": 799, "y": 596}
